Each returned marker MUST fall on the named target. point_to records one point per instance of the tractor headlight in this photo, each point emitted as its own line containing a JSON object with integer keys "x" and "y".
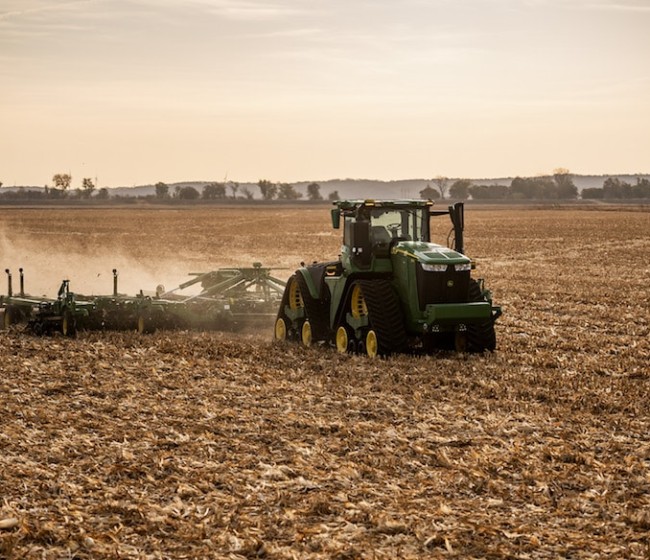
{"x": 463, "y": 267}
{"x": 434, "y": 267}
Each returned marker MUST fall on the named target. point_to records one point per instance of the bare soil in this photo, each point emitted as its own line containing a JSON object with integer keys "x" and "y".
{"x": 219, "y": 445}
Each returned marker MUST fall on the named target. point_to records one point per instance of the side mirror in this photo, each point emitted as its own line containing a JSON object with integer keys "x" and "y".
{"x": 336, "y": 218}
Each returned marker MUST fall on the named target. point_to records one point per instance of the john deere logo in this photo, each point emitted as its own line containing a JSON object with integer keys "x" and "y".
{"x": 450, "y": 283}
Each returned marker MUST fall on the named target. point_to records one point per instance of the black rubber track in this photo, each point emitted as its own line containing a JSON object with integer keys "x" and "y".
{"x": 316, "y": 310}
{"x": 480, "y": 336}
{"x": 385, "y": 315}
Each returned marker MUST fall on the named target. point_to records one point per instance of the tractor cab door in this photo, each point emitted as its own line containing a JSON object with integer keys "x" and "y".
{"x": 356, "y": 237}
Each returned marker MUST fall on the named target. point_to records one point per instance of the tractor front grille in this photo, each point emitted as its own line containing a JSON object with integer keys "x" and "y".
{"x": 442, "y": 287}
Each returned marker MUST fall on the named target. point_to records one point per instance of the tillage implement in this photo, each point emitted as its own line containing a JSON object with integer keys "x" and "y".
{"x": 224, "y": 299}
{"x": 392, "y": 290}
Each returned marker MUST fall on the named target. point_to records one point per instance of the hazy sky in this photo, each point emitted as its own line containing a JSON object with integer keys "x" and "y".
{"x": 140, "y": 91}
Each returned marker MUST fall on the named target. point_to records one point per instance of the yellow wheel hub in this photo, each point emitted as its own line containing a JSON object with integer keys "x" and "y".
{"x": 295, "y": 297}
{"x": 372, "y": 346}
{"x": 358, "y": 306}
{"x": 280, "y": 330}
{"x": 342, "y": 340}
{"x": 306, "y": 333}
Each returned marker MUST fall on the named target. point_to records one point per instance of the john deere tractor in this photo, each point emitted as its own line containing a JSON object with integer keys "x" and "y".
{"x": 391, "y": 290}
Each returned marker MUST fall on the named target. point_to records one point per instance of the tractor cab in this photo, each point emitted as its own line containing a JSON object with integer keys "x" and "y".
{"x": 372, "y": 229}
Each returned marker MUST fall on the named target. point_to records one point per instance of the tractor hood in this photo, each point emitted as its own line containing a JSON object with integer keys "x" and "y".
{"x": 429, "y": 253}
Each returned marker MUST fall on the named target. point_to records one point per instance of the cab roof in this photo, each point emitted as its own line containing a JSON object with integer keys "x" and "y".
{"x": 375, "y": 203}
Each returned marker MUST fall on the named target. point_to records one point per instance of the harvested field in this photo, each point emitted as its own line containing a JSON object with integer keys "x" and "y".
{"x": 215, "y": 445}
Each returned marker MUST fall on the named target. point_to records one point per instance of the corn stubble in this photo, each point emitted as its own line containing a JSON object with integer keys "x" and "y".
{"x": 213, "y": 445}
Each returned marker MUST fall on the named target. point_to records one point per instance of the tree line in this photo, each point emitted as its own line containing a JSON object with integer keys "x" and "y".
{"x": 558, "y": 186}
{"x": 614, "y": 188}
{"x": 233, "y": 190}
{"x": 61, "y": 183}
{"x": 59, "y": 190}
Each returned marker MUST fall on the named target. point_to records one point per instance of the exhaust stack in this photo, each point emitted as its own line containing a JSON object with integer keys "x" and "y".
{"x": 9, "y": 289}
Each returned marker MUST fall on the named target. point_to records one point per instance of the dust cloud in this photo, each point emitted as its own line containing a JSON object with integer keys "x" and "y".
{"x": 46, "y": 264}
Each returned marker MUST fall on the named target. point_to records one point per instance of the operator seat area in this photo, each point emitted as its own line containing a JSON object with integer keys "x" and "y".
{"x": 380, "y": 239}
{"x": 379, "y": 234}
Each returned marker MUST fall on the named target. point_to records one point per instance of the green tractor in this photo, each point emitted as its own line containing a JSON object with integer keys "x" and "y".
{"x": 392, "y": 290}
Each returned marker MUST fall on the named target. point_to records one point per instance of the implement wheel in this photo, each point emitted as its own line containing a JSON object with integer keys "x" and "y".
{"x": 342, "y": 340}
{"x": 280, "y": 332}
{"x": 6, "y": 318}
{"x": 306, "y": 334}
{"x": 68, "y": 326}
{"x": 147, "y": 322}
{"x": 12, "y": 315}
{"x": 372, "y": 344}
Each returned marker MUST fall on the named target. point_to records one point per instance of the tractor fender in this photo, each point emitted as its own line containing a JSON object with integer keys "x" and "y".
{"x": 314, "y": 276}
{"x": 314, "y": 291}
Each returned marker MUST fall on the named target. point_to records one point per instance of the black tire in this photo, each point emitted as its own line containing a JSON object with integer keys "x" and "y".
{"x": 480, "y": 336}
{"x": 385, "y": 315}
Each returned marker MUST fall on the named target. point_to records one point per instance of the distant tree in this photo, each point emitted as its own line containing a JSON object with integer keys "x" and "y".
{"x": 429, "y": 193}
{"x": 533, "y": 188}
{"x": 334, "y": 195}
{"x": 641, "y": 189}
{"x": 613, "y": 187}
{"x": 162, "y": 190}
{"x": 87, "y": 187}
{"x": 234, "y": 187}
{"x": 489, "y": 192}
{"x": 0, "y": 184}
{"x": 187, "y": 193}
{"x": 102, "y": 194}
{"x": 268, "y": 189}
{"x": 564, "y": 181}
{"x": 519, "y": 188}
{"x": 213, "y": 191}
{"x": 460, "y": 189}
{"x": 248, "y": 194}
{"x": 313, "y": 191}
{"x": 442, "y": 184}
{"x": 592, "y": 193}
{"x": 288, "y": 192}
{"x": 62, "y": 181}
{"x": 56, "y": 194}
{"x": 177, "y": 191}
